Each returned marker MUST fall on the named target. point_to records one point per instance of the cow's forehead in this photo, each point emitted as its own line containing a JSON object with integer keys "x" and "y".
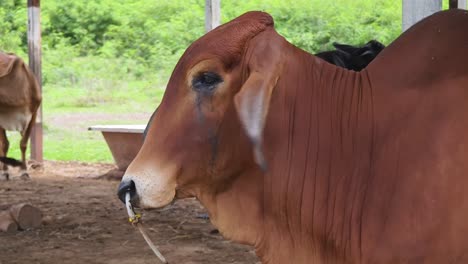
{"x": 227, "y": 41}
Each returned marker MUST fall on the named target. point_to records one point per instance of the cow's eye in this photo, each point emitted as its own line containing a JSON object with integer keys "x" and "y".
{"x": 206, "y": 81}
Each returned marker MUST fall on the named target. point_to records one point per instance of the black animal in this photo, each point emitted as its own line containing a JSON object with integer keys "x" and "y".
{"x": 352, "y": 57}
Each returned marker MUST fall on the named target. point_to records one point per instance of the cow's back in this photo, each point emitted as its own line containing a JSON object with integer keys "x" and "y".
{"x": 417, "y": 204}
{"x": 19, "y": 93}
{"x": 18, "y": 86}
{"x": 433, "y": 50}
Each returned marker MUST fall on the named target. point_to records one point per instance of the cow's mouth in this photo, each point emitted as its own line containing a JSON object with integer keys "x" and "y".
{"x": 136, "y": 204}
{"x": 146, "y": 192}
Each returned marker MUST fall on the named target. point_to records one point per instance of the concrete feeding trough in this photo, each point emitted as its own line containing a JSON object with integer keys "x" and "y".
{"x": 124, "y": 142}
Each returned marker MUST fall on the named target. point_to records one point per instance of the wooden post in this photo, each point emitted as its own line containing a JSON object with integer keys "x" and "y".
{"x": 415, "y": 10}
{"x": 453, "y": 4}
{"x": 34, "y": 50}
{"x": 212, "y": 14}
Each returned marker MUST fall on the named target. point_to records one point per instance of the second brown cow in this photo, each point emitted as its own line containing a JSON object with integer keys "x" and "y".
{"x": 19, "y": 101}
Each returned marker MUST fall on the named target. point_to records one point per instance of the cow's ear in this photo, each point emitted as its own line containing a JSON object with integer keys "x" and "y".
{"x": 252, "y": 103}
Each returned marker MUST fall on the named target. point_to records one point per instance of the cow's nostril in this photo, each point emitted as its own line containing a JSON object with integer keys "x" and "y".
{"x": 124, "y": 187}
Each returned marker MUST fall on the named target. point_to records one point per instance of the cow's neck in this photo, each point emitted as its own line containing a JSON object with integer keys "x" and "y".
{"x": 236, "y": 211}
{"x": 318, "y": 141}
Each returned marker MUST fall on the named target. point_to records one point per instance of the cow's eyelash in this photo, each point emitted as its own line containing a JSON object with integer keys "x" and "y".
{"x": 206, "y": 81}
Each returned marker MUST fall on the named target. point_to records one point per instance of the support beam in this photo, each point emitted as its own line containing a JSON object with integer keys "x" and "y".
{"x": 461, "y": 4}
{"x": 34, "y": 50}
{"x": 415, "y": 10}
{"x": 453, "y": 4}
{"x": 212, "y": 14}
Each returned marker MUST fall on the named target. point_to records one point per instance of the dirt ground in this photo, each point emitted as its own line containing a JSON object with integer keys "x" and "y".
{"x": 85, "y": 223}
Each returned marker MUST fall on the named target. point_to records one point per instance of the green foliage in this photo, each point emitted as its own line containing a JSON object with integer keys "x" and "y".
{"x": 314, "y": 25}
{"x": 13, "y": 23}
{"x": 155, "y": 34}
{"x": 80, "y": 23}
{"x": 149, "y": 36}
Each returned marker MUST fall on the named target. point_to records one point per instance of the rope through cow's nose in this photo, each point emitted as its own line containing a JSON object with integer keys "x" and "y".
{"x": 134, "y": 219}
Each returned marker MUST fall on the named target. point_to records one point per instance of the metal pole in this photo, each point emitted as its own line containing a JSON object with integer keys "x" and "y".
{"x": 34, "y": 50}
{"x": 415, "y": 10}
{"x": 212, "y": 14}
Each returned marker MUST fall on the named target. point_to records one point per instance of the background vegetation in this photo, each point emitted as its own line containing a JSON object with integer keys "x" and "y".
{"x": 115, "y": 56}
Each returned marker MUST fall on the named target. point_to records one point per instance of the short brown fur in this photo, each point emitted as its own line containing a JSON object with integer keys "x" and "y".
{"x": 367, "y": 167}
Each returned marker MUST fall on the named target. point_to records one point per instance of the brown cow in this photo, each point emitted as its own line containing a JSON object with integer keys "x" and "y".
{"x": 19, "y": 100}
{"x": 312, "y": 163}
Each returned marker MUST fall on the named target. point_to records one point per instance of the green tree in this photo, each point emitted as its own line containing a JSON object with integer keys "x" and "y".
{"x": 80, "y": 23}
{"x": 13, "y": 26}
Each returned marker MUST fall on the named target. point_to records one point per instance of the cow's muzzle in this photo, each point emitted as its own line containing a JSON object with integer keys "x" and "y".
{"x": 124, "y": 187}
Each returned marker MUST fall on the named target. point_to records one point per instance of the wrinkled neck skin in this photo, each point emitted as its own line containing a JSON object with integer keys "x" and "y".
{"x": 237, "y": 211}
{"x": 307, "y": 207}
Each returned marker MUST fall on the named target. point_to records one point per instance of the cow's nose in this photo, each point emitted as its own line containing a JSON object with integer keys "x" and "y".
{"x": 124, "y": 187}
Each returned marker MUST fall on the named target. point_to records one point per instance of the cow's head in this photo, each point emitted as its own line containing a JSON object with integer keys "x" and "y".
{"x": 208, "y": 127}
